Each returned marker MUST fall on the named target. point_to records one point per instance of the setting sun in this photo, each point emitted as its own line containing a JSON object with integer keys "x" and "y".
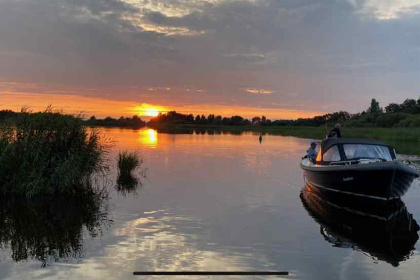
{"x": 148, "y": 110}
{"x": 151, "y": 112}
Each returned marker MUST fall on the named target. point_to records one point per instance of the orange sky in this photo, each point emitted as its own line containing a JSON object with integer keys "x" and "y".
{"x": 115, "y": 108}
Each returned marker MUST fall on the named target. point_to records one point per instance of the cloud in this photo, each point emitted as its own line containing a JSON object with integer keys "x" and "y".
{"x": 323, "y": 51}
{"x": 258, "y": 91}
{"x": 390, "y": 9}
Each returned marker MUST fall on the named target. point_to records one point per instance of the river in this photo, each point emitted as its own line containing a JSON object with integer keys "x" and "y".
{"x": 209, "y": 202}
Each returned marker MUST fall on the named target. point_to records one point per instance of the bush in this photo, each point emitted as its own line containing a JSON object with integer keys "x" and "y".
{"x": 127, "y": 163}
{"x": 411, "y": 121}
{"x": 389, "y": 120}
{"x": 47, "y": 153}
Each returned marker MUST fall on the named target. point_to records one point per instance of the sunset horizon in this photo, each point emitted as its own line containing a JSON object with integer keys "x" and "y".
{"x": 206, "y": 139}
{"x": 284, "y": 59}
{"x": 101, "y": 108}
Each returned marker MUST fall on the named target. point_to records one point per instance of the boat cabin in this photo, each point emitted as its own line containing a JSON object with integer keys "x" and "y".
{"x": 353, "y": 151}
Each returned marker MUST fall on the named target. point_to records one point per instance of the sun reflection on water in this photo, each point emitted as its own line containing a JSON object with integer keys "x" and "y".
{"x": 148, "y": 137}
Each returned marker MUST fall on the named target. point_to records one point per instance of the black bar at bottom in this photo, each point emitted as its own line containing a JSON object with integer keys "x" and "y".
{"x": 223, "y": 273}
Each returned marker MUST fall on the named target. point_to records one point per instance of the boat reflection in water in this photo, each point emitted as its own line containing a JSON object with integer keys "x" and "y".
{"x": 386, "y": 232}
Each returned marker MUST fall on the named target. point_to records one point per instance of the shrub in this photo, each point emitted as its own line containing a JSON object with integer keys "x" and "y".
{"x": 411, "y": 121}
{"x": 127, "y": 163}
{"x": 389, "y": 120}
{"x": 47, "y": 153}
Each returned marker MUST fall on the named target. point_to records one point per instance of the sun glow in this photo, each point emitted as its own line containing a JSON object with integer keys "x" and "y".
{"x": 148, "y": 110}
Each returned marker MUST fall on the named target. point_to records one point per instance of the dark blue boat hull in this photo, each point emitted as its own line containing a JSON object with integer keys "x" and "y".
{"x": 382, "y": 181}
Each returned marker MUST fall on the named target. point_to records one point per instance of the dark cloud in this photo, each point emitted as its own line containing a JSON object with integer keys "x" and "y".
{"x": 316, "y": 53}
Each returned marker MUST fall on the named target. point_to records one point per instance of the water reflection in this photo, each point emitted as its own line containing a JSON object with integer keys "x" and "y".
{"x": 51, "y": 228}
{"x": 148, "y": 137}
{"x": 130, "y": 183}
{"x": 385, "y": 232}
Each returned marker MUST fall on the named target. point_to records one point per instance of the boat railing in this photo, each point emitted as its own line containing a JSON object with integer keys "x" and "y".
{"x": 357, "y": 161}
{"x": 345, "y": 162}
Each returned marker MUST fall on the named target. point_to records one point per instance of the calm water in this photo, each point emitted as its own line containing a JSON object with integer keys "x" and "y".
{"x": 210, "y": 202}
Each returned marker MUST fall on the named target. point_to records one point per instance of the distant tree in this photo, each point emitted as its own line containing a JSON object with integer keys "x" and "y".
{"x": 190, "y": 118}
{"x": 218, "y": 120}
{"x": 93, "y": 118}
{"x": 256, "y": 119}
{"x": 203, "y": 119}
{"x": 237, "y": 120}
{"x": 210, "y": 119}
{"x": 409, "y": 106}
{"x": 418, "y": 106}
{"x": 227, "y": 121}
{"x": 263, "y": 119}
{"x": 392, "y": 108}
{"x": 374, "y": 107}
{"x": 197, "y": 119}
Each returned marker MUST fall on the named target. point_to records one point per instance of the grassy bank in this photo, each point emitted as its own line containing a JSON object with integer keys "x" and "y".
{"x": 406, "y": 140}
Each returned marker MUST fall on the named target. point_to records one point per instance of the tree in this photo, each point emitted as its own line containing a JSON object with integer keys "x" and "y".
{"x": 256, "y": 119}
{"x": 393, "y": 108}
{"x": 210, "y": 119}
{"x": 237, "y": 120}
{"x": 409, "y": 106}
{"x": 374, "y": 107}
{"x": 203, "y": 119}
{"x": 197, "y": 119}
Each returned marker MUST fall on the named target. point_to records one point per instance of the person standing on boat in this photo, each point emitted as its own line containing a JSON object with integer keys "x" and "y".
{"x": 311, "y": 153}
{"x": 336, "y": 130}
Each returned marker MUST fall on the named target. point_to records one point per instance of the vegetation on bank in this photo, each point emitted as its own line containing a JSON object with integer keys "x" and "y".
{"x": 47, "y": 153}
{"x": 133, "y": 122}
{"x": 406, "y": 114}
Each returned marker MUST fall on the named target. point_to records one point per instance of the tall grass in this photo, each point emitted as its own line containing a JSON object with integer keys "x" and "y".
{"x": 47, "y": 153}
{"x": 127, "y": 164}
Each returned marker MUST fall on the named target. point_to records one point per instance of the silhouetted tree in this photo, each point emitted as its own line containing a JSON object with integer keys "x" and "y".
{"x": 203, "y": 119}
{"x": 210, "y": 119}
{"x": 256, "y": 119}
{"x": 409, "y": 106}
{"x": 197, "y": 119}
{"x": 393, "y": 108}
{"x": 374, "y": 107}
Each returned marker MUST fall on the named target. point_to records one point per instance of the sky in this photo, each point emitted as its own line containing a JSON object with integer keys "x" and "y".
{"x": 280, "y": 58}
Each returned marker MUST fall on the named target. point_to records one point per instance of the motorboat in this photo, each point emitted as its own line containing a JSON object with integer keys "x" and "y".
{"x": 359, "y": 167}
{"x": 387, "y": 232}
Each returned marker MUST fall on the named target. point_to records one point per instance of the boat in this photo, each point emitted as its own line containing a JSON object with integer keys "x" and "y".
{"x": 387, "y": 233}
{"x": 359, "y": 167}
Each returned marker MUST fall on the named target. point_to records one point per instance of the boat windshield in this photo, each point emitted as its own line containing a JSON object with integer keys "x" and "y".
{"x": 332, "y": 154}
{"x": 358, "y": 151}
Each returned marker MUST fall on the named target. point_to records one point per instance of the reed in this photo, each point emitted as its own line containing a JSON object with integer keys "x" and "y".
{"x": 128, "y": 162}
{"x": 47, "y": 153}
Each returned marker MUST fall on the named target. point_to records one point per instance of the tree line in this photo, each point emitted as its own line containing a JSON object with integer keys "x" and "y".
{"x": 405, "y": 114}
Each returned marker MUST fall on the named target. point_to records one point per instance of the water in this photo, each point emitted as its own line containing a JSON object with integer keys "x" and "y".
{"x": 210, "y": 202}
